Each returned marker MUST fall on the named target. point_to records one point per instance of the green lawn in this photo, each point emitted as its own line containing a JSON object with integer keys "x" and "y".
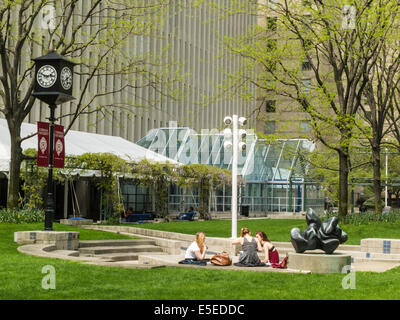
{"x": 21, "y": 278}
{"x": 276, "y": 229}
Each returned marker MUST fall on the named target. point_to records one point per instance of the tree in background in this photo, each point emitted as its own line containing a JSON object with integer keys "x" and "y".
{"x": 96, "y": 35}
{"x": 338, "y": 43}
{"x": 158, "y": 177}
{"x": 205, "y": 178}
{"x": 378, "y": 106}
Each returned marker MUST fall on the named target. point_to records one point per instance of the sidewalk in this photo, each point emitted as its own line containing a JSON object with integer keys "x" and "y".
{"x": 375, "y": 263}
{"x": 168, "y": 248}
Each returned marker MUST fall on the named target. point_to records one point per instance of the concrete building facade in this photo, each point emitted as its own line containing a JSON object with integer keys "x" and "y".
{"x": 190, "y": 38}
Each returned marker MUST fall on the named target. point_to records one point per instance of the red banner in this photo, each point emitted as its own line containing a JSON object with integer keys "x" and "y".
{"x": 59, "y": 147}
{"x": 43, "y": 144}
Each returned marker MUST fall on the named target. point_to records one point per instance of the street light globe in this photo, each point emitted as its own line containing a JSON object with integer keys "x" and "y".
{"x": 242, "y": 121}
{"x": 228, "y": 145}
{"x": 228, "y": 120}
{"x": 242, "y": 133}
{"x": 227, "y": 133}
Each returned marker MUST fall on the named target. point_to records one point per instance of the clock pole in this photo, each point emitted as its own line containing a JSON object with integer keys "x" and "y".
{"x": 53, "y": 85}
{"x": 49, "y": 212}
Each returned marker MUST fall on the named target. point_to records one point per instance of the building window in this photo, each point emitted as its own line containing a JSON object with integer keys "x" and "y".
{"x": 271, "y": 23}
{"x": 136, "y": 197}
{"x": 305, "y": 65}
{"x": 271, "y": 44}
{"x": 272, "y": 4}
{"x": 270, "y": 106}
{"x": 269, "y": 127}
{"x": 305, "y": 126}
{"x": 306, "y": 85}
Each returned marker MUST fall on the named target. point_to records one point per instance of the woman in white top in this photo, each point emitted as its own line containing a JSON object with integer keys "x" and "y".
{"x": 197, "y": 249}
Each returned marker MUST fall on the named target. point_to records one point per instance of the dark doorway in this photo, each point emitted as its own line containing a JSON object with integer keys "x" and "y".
{"x": 3, "y": 192}
{"x": 59, "y": 202}
{"x": 94, "y": 204}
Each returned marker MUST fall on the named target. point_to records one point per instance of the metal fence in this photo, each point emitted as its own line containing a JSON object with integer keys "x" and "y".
{"x": 266, "y": 198}
{"x": 255, "y": 204}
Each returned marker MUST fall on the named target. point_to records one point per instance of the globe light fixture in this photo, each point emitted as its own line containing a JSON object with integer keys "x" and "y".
{"x": 227, "y": 133}
{"x": 228, "y": 145}
{"x": 228, "y": 120}
{"x": 232, "y": 138}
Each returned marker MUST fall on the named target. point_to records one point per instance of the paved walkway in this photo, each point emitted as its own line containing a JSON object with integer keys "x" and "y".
{"x": 150, "y": 261}
{"x": 159, "y": 249}
{"x": 360, "y": 263}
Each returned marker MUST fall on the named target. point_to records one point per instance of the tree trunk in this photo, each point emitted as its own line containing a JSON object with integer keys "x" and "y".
{"x": 343, "y": 184}
{"x": 204, "y": 198}
{"x": 376, "y": 164}
{"x": 15, "y": 167}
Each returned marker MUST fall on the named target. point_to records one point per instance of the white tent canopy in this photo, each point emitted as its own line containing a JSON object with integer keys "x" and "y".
{"x": 78, "y": 143}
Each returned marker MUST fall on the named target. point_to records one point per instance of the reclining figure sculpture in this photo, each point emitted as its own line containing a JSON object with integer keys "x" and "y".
{"x": 325, "y": 235}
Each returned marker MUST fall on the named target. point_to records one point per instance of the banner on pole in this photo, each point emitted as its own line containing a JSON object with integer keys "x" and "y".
{"x": 43, "y": 144}
{"x": 59, "y": 147}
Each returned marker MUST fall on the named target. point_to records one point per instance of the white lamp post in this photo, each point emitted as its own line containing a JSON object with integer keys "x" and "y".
{"x": 386, "y": 173}
{"x": 235, "y": 134}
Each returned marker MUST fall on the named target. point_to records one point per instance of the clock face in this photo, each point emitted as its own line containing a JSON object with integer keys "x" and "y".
{"x": 46, "y": 76}
{"x": 66, "y": 78}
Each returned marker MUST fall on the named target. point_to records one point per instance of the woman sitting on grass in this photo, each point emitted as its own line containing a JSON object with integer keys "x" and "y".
{"x": 270, "y": 252}
{"x": 196, "y": 252}
{"x": 248, "y": 256}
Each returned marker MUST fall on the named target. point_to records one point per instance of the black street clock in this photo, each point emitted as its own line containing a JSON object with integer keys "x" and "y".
{"x": 53, "y": 78}
{"x": 53, "y": 85}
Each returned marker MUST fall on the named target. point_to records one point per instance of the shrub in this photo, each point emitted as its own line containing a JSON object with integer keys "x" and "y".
{"x": 365, "y": 217}
{"x": 21, "y": 216}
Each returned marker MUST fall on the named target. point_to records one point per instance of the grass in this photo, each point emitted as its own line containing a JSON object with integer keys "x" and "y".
{"x": 85, "y": 234}
{"x": 21, "y": 277}
{"x": 276, "y": 229}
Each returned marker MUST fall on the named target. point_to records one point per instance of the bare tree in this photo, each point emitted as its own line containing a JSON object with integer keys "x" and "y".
{"x": 377, "y": 111}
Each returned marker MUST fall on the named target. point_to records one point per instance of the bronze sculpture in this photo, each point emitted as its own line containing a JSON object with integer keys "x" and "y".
{"x": 325, "y": 235}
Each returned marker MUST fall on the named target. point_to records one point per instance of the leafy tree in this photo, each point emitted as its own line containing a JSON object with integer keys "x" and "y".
{"x": 158, "y": 177}
{"x": 205, "y": 178}
{"x": 340, "y": 44}
{"x": 377, "y": 109}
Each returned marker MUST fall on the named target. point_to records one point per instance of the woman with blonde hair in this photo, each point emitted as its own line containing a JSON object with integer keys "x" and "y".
{"x": 248, "y": 256}
{"x": 196, "y": 252}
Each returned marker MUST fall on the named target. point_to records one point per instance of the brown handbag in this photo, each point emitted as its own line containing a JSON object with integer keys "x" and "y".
{"x": 221, "y": 259}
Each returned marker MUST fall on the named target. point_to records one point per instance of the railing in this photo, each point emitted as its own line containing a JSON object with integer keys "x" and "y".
{"x": 256, "y": 204}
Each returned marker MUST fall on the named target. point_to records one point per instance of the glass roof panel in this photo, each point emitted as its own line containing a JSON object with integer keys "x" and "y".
{"x": 261, "y": 161}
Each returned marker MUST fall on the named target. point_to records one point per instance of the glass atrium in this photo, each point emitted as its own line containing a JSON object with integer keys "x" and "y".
{"x": 274, "y": 176}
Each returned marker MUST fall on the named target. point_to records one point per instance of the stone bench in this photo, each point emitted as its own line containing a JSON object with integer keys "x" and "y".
{"x": 376, "y": 245}
{"x": 62, "y": 240}
{"x": 76, "y": 222}
{"x": 317, "y": 262}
